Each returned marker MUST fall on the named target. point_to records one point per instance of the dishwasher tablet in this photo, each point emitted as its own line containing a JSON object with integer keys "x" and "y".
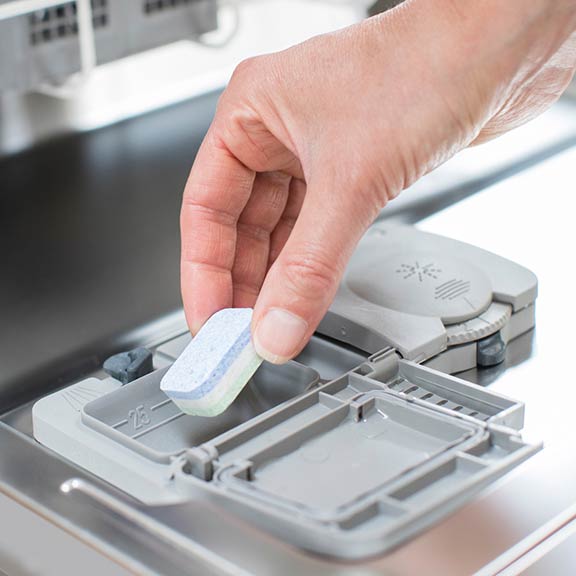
{"x": 216, "y": 365}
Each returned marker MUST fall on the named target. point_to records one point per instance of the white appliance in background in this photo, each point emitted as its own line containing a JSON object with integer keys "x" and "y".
{"x": 196, "y": 47}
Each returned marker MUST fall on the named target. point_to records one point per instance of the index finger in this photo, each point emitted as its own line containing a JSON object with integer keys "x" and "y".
{"x": 217, "y": 191}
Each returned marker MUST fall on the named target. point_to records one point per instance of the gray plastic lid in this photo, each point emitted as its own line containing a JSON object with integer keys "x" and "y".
{"x": 360, "y": 464}
{"x": 422, "y": 283}
{"x": 410, "y": 290}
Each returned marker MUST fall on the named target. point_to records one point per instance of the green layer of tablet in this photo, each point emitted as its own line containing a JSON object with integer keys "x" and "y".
{"x": 191, "y": 407}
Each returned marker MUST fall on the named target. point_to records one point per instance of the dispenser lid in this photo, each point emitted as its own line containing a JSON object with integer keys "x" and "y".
{"x": 421, "y": 282}
{"x": 360, "y": 464}
{"x": 419, "y": 292}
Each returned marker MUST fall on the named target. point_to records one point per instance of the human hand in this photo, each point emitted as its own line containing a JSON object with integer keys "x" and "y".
{"x": 309, "y": 144}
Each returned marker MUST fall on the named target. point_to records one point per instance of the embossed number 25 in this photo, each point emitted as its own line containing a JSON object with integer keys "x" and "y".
{"x": 139, "y": 416}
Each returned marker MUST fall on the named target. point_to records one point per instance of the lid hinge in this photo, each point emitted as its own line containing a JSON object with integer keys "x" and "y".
{"x": 199, "y": 461}
{"x": 382, "y": 366}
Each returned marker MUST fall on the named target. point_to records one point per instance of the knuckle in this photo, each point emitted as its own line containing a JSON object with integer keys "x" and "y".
{"x": 247, "y": 68}
{"x": 255, "y": 77}
{"x": 376, "y": 197}
{"x": 247, "y": 288}
{"x": 256, "y": 232}
{"x": 288, "y": 221}
{"x": 310, "y": 275}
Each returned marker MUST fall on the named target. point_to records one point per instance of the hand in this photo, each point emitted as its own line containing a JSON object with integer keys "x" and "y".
{"x": 309, "y": 144}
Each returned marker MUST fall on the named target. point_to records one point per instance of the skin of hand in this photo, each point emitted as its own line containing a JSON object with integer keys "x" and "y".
{"x": 309, "y": 144}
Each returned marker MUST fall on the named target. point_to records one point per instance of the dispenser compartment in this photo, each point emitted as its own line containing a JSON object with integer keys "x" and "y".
{"x": 359, "y": 465}
{"x": 353, "y": 450}
{"x": 141, "y": 417}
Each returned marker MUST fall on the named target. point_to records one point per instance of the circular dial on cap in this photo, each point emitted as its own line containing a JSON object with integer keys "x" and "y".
{"x": 422, "y": 283}
{"x": 490, "y": 321}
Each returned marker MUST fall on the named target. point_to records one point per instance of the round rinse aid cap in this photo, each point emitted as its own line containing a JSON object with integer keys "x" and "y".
{"x": 422, "y": 283}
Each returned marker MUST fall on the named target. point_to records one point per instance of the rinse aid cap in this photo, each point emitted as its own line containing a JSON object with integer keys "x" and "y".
{"x": 420, "y": 294}
{"x": 423, "y": 283}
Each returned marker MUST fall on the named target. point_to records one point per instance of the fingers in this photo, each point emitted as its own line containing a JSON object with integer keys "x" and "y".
{"x": 297, "y": 192}
{"x": 228, "y": 214}
{"x": 215, "y": 196}
{"x": 256, "y": 223}
{"x": 302, "y": 282}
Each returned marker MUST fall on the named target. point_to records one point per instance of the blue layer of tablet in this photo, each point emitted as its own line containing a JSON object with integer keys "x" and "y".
{"x": 209, "y": 356}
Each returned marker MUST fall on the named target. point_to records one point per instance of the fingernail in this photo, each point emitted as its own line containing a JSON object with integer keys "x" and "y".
{"x": 279, "y": 335}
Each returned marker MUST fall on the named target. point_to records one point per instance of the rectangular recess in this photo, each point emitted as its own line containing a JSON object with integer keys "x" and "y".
{"x": 381, "y": 509}
{"x": 445, "y": 479}
{"x": 338, "y": 459}
{"x": 140, "y": 416}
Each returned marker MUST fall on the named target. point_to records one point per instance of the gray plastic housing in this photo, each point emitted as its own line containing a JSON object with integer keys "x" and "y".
{"x": 363, "y": 442}
{"x": 349, "y": 468}
{"x": 143, "y": 418}
{"x": 429, "y": 297}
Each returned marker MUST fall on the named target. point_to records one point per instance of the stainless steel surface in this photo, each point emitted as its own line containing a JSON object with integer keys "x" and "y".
{"x": 27, "y": 547}
{"x": 557, "y": 555}
{"x": 527, "y": 218}
{"x": 541, "y": 545}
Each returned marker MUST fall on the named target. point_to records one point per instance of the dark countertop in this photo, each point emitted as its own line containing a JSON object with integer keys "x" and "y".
{"x": 89, "y": 237}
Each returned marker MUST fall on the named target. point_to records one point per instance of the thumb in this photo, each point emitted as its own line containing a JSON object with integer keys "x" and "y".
{"x": 302, "y": 282}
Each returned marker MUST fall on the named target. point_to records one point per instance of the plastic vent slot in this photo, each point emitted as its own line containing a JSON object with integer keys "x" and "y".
{"x": 155, "y": 6}
{"x": 414, "y": 391}
{"x": 61, "y": 21}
